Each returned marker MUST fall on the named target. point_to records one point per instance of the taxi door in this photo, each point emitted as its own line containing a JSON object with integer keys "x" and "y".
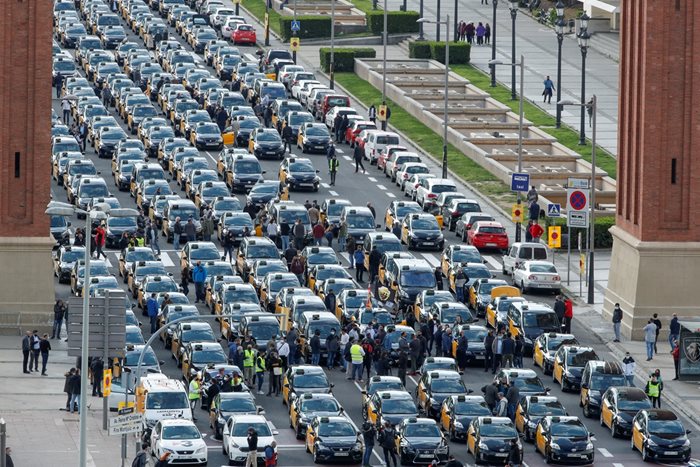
{"x": 471, "y": 439}
{"x": 175, "y": 346}
{"x": 584, "y": 393}
{"x": 514, "y": 315}
{"x": 418, "y": 308}
{"x": 557, "y": 372}
{"x": 186, "y": 365}
{"x": 440, "y": 220}
{"x": 445, "y": 264}
{"x": 209, "y": 297}
{"x": 388, "y": 220}
{"x": 607, "y": 410}
{"x": 372, "y": 412}
{"x": 251, "y": 145}
{"x": 122, "y": 267}
{"x": 311, "y": 436}
{"x": 311, "y": 280}
{"x": 491, "y": 316}
{"x": 285, "y": 389}
{"x": 293, "y": 422}
{"x": 520, "y": 418}
{"x": 422, "y": 393}
{"x": 537, "y": 353}
{"x": 637, "y": 433}
{"x": 445, "y": 415}
{"x": 228, "y": 136}
{"x": 540, "y": 440}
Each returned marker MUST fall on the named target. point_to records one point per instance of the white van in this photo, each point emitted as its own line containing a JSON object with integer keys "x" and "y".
{"x": 376, "y": 142}
{"x": 524, "y": 251}
{"x": 158, "y": 398}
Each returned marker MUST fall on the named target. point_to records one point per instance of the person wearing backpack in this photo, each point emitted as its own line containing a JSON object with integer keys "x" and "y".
{"x": 386, "y": 441}
{"x": 297, "y": 267}
{"x": 271, "y": 454}
{"x": 368, "y": 434}
{"x": 141, "y": 459}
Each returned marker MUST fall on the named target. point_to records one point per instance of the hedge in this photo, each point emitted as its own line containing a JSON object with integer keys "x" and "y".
{"x": 344, "y": 57}
{"x": 419, "y": 49}
{"x": 397, "y": 22}
{"x": 311, "y": 27}
{"x": 602, "y": 237}
{"x": 460, "y": 52}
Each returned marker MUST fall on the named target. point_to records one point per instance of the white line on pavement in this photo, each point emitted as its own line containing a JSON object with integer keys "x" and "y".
{"x": 618, "y": 465}
{"x": 165, "y": 259}
{"x": 372, "y": 179}
{"x": 211, "y": 157}
{"x": 605, "y": 452}
{"x": 347, "y": 158}
{"x": 381, "y": 187}
{"x": 432, "y": 259}
{"x": 492, "y": 261}
{"x": 339, "y": 151}
{"x": 390, "y": 194}
{"x": 109, "y": 263}
{"x": 325, "y": 185}
{"x": 413, "y": 379}
{"x": 333, "y": 193}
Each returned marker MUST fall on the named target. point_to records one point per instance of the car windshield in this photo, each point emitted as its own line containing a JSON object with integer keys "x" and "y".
{"x": 475, "y": 335}
{"x": 417, "y": 279}
{"x": 140, "y": 255}
{"x": 491, "y": 229}
{"x": 301, "y": 167}
{"x": 240, "y": 295}
{"x": 570, "y": 429}
{"x": 666, "y": 427}
{"x": 555, "y": 342}
{"x": 335, "y": 429}
{"x": 95, "y": 270}
{"x": 579, "y": 359}
{"x": 247, "y": 167}
{"x": 268, "y": 136}
{"x": 449, "y": 315}
{"x": 317, "y": 131}
{"x": 238, "y": 221}
{"x": 540, "y": 320}
{"x": 149, "y": 358}
{"x": 398, "y": 406}
{"x": 471, "y": 408}
{"x": 381, "y": 317}
{"x": 262, "y": 251}
{"x": 181, "y": 432}
{"x": 548, "y": 268}
{"x": 540, "y": 409}
{"x": 638, "y": 403}
{"x": 241, "y": 429}
{"x": 93, "y": 190}
{"x": 209, "y": 356}
{"x": 425, "y": 224}
{"x": 498, "y": 430}
{"x": 150, "y": 270}
{"x": 198, "y": 335}
{"x": 323, "y": 258}
{"x": 421, "y": 430}
{"x": 250, "y": 124}
{"x": 290, "y": 216}
{"x": 477, "y": 272}
{"x": 227, "y": 205}
{"x": 215, "y": 191}
{"x": 166, "y": 400}
{"x": 161, "y": 286}
{"x": 355, "y": 302}
{"x": 184, "y": 212}
{"x": 319, "y": 405}
{"x": 443, "y": 188}
{"x": 316, "y": 380}
{"x": 324, "y": 329}
{"x": 451, "y": 385}
{"x": 384, "y": 246}
{"x": 601, "y": 382}
{"x": 532, "y": 384}
{"x": 124, "y": 222}
{"x": 58, "y": 221}
{"x": 417, "y": 169}
{"x": 300, "y": 119}
{"x": 204, "y": 254}
{"x": 264, "y": 331}
{"x": 72, "y": 256}
{"x": 263, "y": 269}
{"x": 237, "y": 404}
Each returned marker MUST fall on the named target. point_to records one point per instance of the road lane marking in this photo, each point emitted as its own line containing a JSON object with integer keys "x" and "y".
{"x": 605, "y": 452}
{"x": 618, "y": 465}
{"x": 347, "y": 158}
{"x": 493, "y": 262}
{"x": 372, "y": 179}
{"x": 390, "y": 194}
{"x": 333, "y": 193}
{"x": 325, "y": 185}
{"x": 339, "y": 151}
{"x": 432, "y": 259}
{"x": 165, "y": 259}
{"x": 413, "y": 379}
{"x": 211, "y": 157}
{"x": 381, "y": 187}
{"x": 108, "y": 262}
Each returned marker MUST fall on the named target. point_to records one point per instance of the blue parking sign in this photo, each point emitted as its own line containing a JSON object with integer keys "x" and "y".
{"x": 520, "y": 182}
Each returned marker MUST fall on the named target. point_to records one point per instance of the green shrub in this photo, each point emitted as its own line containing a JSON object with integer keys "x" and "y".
{"x": 311, "y": 27}
{"x": 419, "y": 49}
{"x": 397, "y": 22}
{"x": 344, "y": 57}
{"x": 460, "y": 52}
{"x": 602, "y": 237}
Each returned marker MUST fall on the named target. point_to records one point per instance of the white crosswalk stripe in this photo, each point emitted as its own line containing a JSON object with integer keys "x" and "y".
{"x": 605, "y": 452}
{"x": 495, "y": 264}
{"x": 325, "y": 185}
{"x": 432, "y": 259}
{"x": 372, "y": 179}
{"x": 332, "y": 193}
{"x": 390, "y": 194}
{"x": 347, "y": 158}
{"x": 339, "y": 151}
{"x": 165, "y": 259}
{"x": 381, "y": 187}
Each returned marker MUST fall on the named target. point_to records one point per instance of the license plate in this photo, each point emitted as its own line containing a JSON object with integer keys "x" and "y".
{"x": 428, "y": 243}
{"x": 270, "y": 152}
{"x": 490, "y": 244}
{"x": 306, "y": 184}
{"x": 426, "y": 456}
{"x": 501, "y": 454}
{"x": 318, "y": 147}
{"x": 670, "y": 453}
{"x": 342, "y": 453}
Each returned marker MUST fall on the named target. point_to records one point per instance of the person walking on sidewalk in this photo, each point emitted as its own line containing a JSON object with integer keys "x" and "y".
{"x": 372, "y": 113}
{"x": 26, "y": 349}
{"x": 44, "y": 347}
{"x": 480, "y": 31}
{"x": 74, "y": 386}
{"x": 141, "y": 459}
{"x": 650, "y": 338}
{"x": 617, "y": 321}
{"x": 487, "y": 34}
{"x": 674, "y": 331}
{"x": 98, "y": 369}
{"x": 59, "y": 311}
{"x": 676, "y": 354}
{"x": 657, "y": 322}
{"x": 628, "y": 366}
{"x": 548, "y": 90}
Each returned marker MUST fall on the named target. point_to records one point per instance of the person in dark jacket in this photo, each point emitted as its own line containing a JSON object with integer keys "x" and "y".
{"x": 513, "y": 396}
{"x": 66, "y": 386}
{"x": 560, "y": 308}
{"x": 252, "y": 457}
{"x": 402, "y": 364}
{"x": 374, "y": 258}
{"x": 332, "y": 346}
{"x": 386, "y": 438}
{"x": 358, "y": 154}
{"x": 674, "y": 331}
{"x": 44, "y": 348}
{"x": 287, "y": 137}
{"x": 316, "y": 347}
{"x": 340, "y": 135}
{"x": 97, "y": 368}
{"x": 368, "y": 434}
{"x": 491, "y": 395}
{"x": 655, "y": 319}
{"x": 337, "y": 125}
{"x": 74, "y": 387}
{"x": 515, "y": 455}
{"x": 488, "y": 351}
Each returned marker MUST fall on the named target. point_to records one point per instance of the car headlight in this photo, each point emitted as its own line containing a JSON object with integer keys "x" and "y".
{"x": 322, "y": 446}
{"x": 650, "y": 442}
{"x": 201, "y": 450}
{"x": 528, "y": 340}
{"x": 459, "y": 425}
{"x": 483, "y": 446}
{"x": 555, "y": 446}
{"x": 686, "y": 443}
{"x": 442, "y": 449}
{"x": 403, "y": 294}
{"x": 358, "y": 446}
{"x": 233, "y": 444}
{"x": 531, "y": 425}
{"x": 589, "y": 446}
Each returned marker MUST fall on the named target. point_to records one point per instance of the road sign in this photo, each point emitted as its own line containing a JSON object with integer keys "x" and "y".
{"x": 554, "y": 236}
{"x": 577, "y": 219}
{"x": 125, "y": 429}
{"x": 236, "y": 1}
{"x": 519, "y": 182}
{"x": 517, "y": 213}
{"x": 381, "y": 113}
{"x": 267, "y": 20}
{"x": 127, "y": 419}
{"x": 581, "y": 183}
{"x": 554, "y": 210}
{"x": 295, "y": 26}
{"x": 125, "y": 408}
{"x": 106, "y": 382}
{"x": 294, "y": 44}
{"x": 577, "y": 199}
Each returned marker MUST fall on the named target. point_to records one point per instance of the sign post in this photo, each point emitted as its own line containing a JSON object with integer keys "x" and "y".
{"x": 381, "y": 113}
{"x": 519, "y": 182}
{"x": 554, "y": 236}
{"x": 294, "y": 44}
{"x": 106, "y": 382}
{"x": 238, "y": 4}
{"x": 517, "y": 214}
{"x": 554, "y": 210}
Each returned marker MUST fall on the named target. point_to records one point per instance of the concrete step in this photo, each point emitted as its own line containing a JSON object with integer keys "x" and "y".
{"x": 607, "y": 43}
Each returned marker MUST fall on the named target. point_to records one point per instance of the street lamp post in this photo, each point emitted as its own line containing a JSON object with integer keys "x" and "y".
{"x": 267, "y": 23}
{"x": 420, "y": 25}
{"x": 493, "y": 43}
{"x": 294, "y": 52}
{"x": 447, "y": 87}
{"x": 456, "y": 31}
{"x": 437, "y": 24}
{"x": 560, "y": 38}
{"x": 331, "y": 67}
{"x": 384, "y": 39}
{"x": 513, "y": 15}
{"x": 583, "y": 38}
{"x": 592, "y": 107}
{"x": 514, "y": 65}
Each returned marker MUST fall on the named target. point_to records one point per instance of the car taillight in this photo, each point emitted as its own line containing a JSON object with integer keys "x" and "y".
{"x": 405, "y": 176}
{"x": 556, "y": 278}
{"x": 432, "y": 195}
{"x": 455, "y": 213}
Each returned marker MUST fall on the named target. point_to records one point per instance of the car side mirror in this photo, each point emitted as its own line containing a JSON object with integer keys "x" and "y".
{"x": 286, "y": 385}
{"x": 378, "y": 226}
{"x": 318, "y": 171}
{"x": 374, "y": 411}
{"x": 363, "y": 392}
{"x": 259, "y": 410}
{"x": 547, "y": 390}
{"x": 332, "y": 385}
{"x": 264, "y": 171}
{"x": 687, "y": 432}
{"x": 161, "y": 362}
{"x": 584, "y": 386}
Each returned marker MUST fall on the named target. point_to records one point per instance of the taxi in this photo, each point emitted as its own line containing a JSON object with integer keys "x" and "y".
{"x": 438, "y": 363}
{"x": 373, "y": 316}
{"x": 308, "y": 406}
{"x": 208, "y": 191}
{"x": 226, "y": 158}
{"x": 195, "y": 177}
{"x": 569, "y": 362}
{"x": 331, "y": 208}
{"x": 390, "y": 406}
{"x": 299, "y": 173}
{"x": 65, "y": 259}
{"x": 283, "y": 301}
{"x": 272, "y": 284}
{"x": 266, "y": 142}
{"x": 186, "y": 332}
{"x": 388, "y": 258}
{"x": 458, "y": 254}
{"x": 233, "y": 302}
{"x": 313, "y": 137}
{"x": 530, "y": 320}
{"x": 472, "y": 271}
{"x": 526, "y": 380}
{"x": 304, "y": 304}
{"x": 253, "y": 249}
{"x": 230, "y": 404}
{"x": 497, "y": 310}
{"x": 660, "y": 436}
{"x": 263, "y": 267}
{"x": 336, "y": 285}
{"x": 300, "y": 379}
{"x": 214, "y": 284}
{"x": 420, "y": 441}
{"x": 235, "y": 222}
{"x": 426, "y": 298}
{"x": 77, "y": 275}
{"x": 155, "y": 284}
{"x": 546, "y": 346}
{"x": 596, "y": 378}
{"x": 480, "y": 294}
{"x": 311, "y": 322}
{"x": 530, "y": 411}
{"x": 147, "y": 189}
{"x": 384, "y": 243}
{"x": 618, "y": 407}
{"x": 141, "y": 269}
{"x": 334, "y": 439}
{"x": 451, "y": 312}
{"x": 197, "y": 355}
{"x": 156, "y": 208}
{"x": 315, "y": 255}
{"x": 434, "y": 387}
{"x": 243, "y": 172}
{"x": 489, "y": 438}
{"x": 475, "y": 335}
{"x": 457, "y": 412}
{"x": 398, "y": 210}
{"x": 349, "y": 302}
{"x": 379, "y": 383}
{"x": 564, "y": 439}
{"x": 420, "y": 230}
{"x": 264, "y": 327}
{"x": 170, "y": 314}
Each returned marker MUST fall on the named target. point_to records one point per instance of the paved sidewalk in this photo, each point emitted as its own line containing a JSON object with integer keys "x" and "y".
{"x": 538, "y": 44}
{"x": 38, "y": 432}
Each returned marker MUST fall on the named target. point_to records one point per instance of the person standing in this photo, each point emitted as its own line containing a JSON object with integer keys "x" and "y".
{"x": 372, "y": 113}
{"x": 548, "y": 90}
{"x": 617, "y": 321}
{"x": 674, "y": 331}
{"x": 276, "y": 367}
{"x": 368, "y": 434}
{"x": 36, "y": 350}
{"x": 374, "y": 258}
{"x": 98, "y": 368}
{"x": 515, "y": 454}
{"x": 141, "y": 459}
{"x": 315, "y": 344}
{"x": 248, "y": 364}
{"x": 497, "y": 351}
{"x": 287, "y": 138}
{"x": 513, "y": 396}
{"x": 480, "y": 31}
{"x": 332, "y": 344}
{"x": 207, "y": 226}
{"x": 199, "y": 275}
{"x": 653, "y": 391}
{"x": 318, "y": 232}
{"x": 568, "y": 315}
{"x": 333, "y": 164}
{"x": 501, "y": 409}
{"x": 74, "y": 386}
{"x": 190, "y": 230}
{"x": 58, "y": 82}
{"x": 491, "y": 395}
{"x": 508, "y": 350}
{"x": 152, "y": 310}
{"x": 518, "y": 352}
{"x": 273, "y": 230}
{"x": 260, "y": 371}
{"x": 184, "y": 282}
{"x": 657, "y": 322}
{"x": 177, "y": 232}
{"x": 350, "y": 246}
{"x": 83, "y": 134}
{"x": 284, "y": 230}
{"x": 628, "y": 367}
{"x": 560, "y": 310}
{"x": 387, "y": 440}
{"x": 488, "y": 350}
{"x": 343, "y": 126}
{"x": 299, "y": 234}
{"x": 358, "y": 154}
{"x": 357, "y": 354}
{"x": 59, "y": 310}
{"x": 460, "y": 282}
{"x": 536, "y": 231}
{"x": 251, "y": 459}
{"x": 271, "y": 454}
{"x": 65, "y": 106}
{"x": 100, "y": 236}
{"x": 359, "y": 263}
{"x": 676, "y": 354}
{"x": 487, "y": 33}
{"x": 153, "y": 237}
{"x": 44, "y": 348}
{"x": 194, "y": 393}
{"x": 650, "y": 338}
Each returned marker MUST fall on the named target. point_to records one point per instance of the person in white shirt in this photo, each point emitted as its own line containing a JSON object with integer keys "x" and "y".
{"x": 283, "y": 352}
{"x": 628, "y": 366}
{"x": 344, "y": 339}
{"x": 273, "y": 230}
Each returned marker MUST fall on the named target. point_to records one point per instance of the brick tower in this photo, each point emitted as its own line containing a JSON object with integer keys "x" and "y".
{"x": 656, "y": 250}
{"x": 26, "y": 288}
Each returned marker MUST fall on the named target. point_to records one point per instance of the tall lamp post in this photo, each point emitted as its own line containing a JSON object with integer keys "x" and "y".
{"x": 559, "y": 27}
{"x": 420, "y": 25}
{"x": 446, "y": 22}
{"x": 493, "y": 43}
{"x": 267, "y": 23}
{"x": 583, "y": 38}
{"x": 331, "y": 67}
{"x": 384, "y": 38}
{"x": 437, "y": 25}
{"x": 514, "y": 65}
{"x": 513, "y": 14}
{"x": 592, "y": 107}
{"x": 456, "y": 31}
{"x": 294, "y": 52}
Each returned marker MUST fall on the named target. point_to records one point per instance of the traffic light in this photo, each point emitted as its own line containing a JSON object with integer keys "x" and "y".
{"x": 554, "y": 236}
{"x": 140, "y": 399}
{"x": 106, "y": 382}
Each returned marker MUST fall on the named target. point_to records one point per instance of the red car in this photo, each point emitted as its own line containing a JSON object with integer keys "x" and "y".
{"x": 386, "y": 154}
{"x": 355, "y": 128}
{"x": 244, "y": 34}
{"x": 488, "y": 235}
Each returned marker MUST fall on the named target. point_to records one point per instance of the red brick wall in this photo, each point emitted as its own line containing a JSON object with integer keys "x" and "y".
{"x": 659, "y": 121}
{"x": 25, "y": 116}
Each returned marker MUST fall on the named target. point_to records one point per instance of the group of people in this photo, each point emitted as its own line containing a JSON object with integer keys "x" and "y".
{"x": 466, "y": 31}
{"x": 34, "y": 347}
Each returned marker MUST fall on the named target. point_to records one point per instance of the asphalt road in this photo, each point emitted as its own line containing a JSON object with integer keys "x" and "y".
{"x": 359, "y": 189}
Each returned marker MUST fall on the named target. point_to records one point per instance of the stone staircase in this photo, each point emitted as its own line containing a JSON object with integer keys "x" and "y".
{"x": 607, "y": 43}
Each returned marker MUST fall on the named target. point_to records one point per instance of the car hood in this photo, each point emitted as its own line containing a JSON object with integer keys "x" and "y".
{"x": 242, "y": 441}
{"x": 668, "y": 441}
{"x": 338, "y": 441}
{"x": 424, "y": 443}
{"x": 497, "y": 444}
{"x": 571, "y": 444}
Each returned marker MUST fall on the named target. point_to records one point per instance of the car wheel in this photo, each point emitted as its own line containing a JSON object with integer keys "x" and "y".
{"x": 614, "y": 430}
{"x": 645, "y": 454}
{"x": 316, "y": 461}
{"x": 586, "y": 411}
{"x": 548, "y": 457}
{"x": 452, "y": 434}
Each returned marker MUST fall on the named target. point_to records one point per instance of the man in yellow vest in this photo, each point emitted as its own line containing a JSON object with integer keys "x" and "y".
{"x": 260, "y": 371}
{"x": 249, "y": 364}
{"x": 357, "y": 354}
{"x": 195, "y": 393}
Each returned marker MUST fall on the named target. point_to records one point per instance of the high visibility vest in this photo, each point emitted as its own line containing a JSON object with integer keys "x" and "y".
{"x": 653, "y": 389}
{"x": 140, "y": 241}
{"x": 356, "y": 354}
{"x": 194, "y": 390}
{"x": 248, "y": 358}
{"x": 259, "y": 365}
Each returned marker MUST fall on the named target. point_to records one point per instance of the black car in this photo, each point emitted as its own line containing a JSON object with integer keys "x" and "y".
{"x": 660, "y": 436}
{"x": 333, "y": 439}
{"x": 422, "y": 231}
{"x": 263, "y": 192}
{"x": 420, "y": 441}
{"x": 115, "y": 229}
{"x": 489, "y": 439}
{"x": 457, "y": 412}
{"x": 232, "y": 403}
{"x": 300, "y": 174}
{"x": 266, "y": 142}
{"x": 565, "y": 440}
{"x": 530, "y": 411}
{"x": 314, "y": 137}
